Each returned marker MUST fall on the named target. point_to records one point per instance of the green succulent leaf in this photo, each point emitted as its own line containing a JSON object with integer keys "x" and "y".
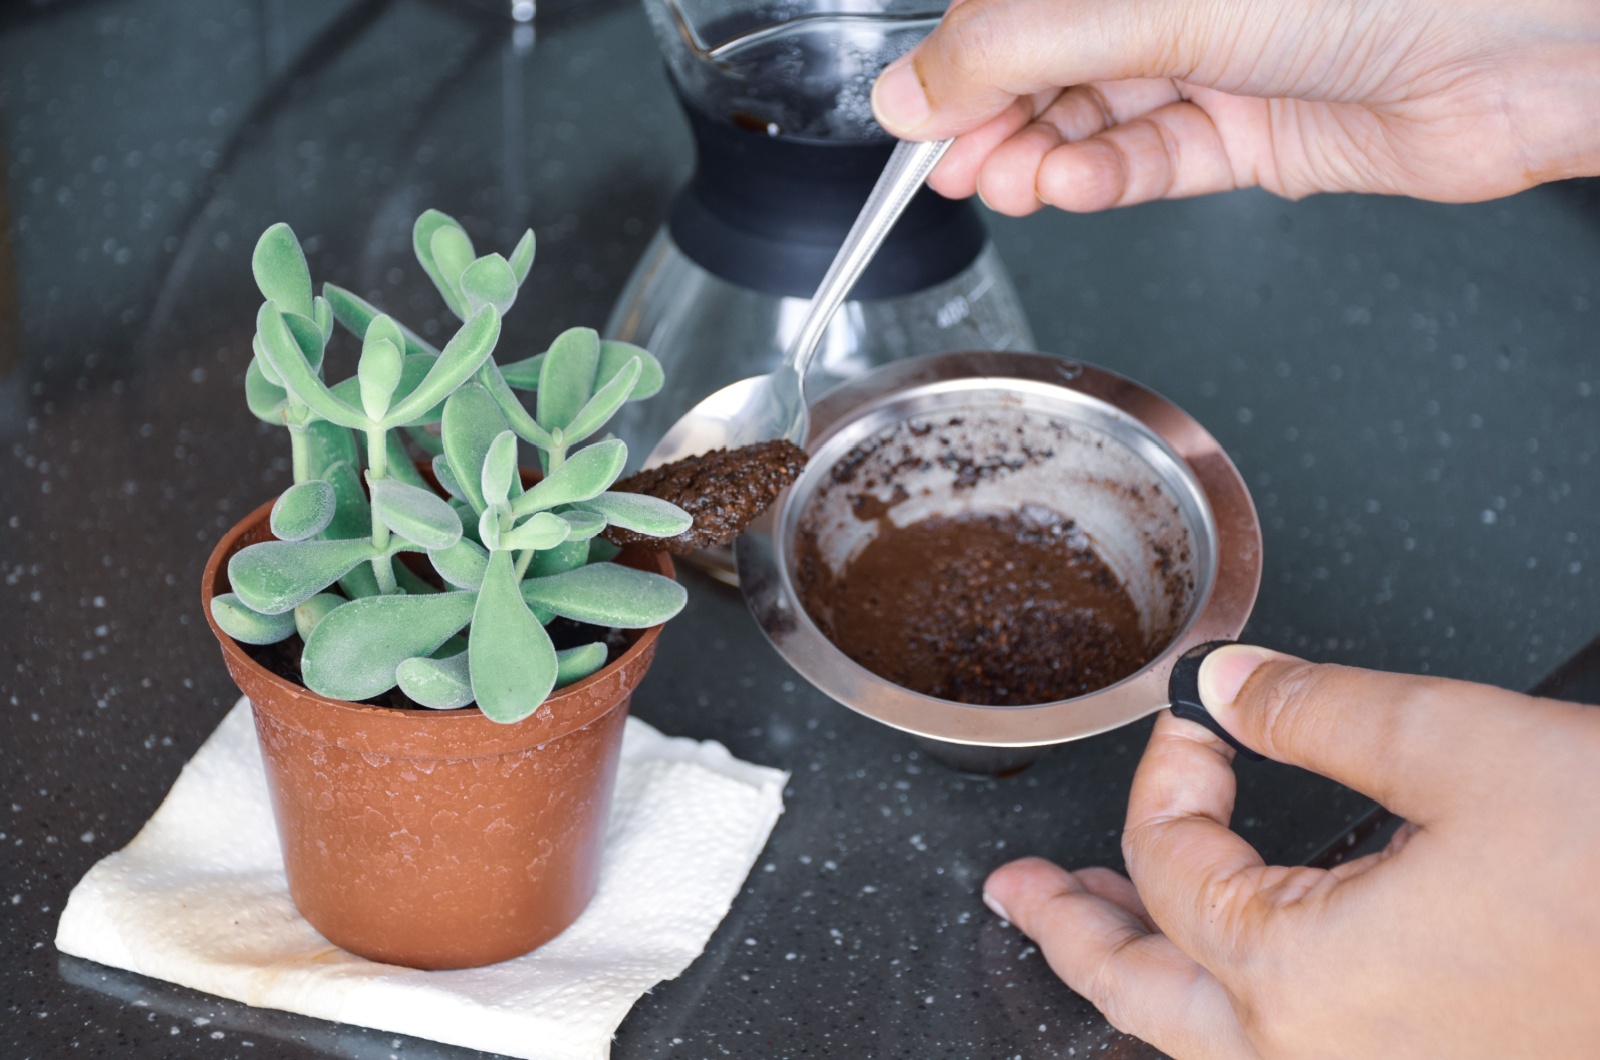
{"x": 575, "y": 664}
{"x": 462, "y": 564}
{"x": 471, "y": 423}
{"x": 282, "y": 354}
{"x": 544, "y": 530}
{"x": 281, "y": 271}
{"x": 261, "y": 362}
{"x": 489, "y": 281}
{"x": 378, "y": 374}
{"x": 356, "y": 313}
{"x": 516, "y": 416}
{"x": 601, "y": 551}
{"x": 442, "y": 684}
{"x": 499, "y": 468}
{"x": 409, "y": 580}
{"x": 614, "y": 356}
{"x": 582, "y": 525}
{"x": 401, "y": 467}
{"x": 322, "y": 316}
{"x": 274, "y": 576}
{"x": 246, "y": 625}
{"x": 603, "y": 405}
{"x": 640, "y": 513}
{"x": 426, "y": 437}
{"x": 569, "y": 555}
{"x": 586, "y": 474}
{"x": 267, "y": 400}
{"x": 352, "y": 518}
{"x": 607, "y": 594}
{"x": 566, "y": 379}
{"x": 463, "y": 355}
{"x": 443, "y": 275}
{"x": 303, "y": 510}
{"x": 413, "y": 371}
{"x": 522, "y": 257}
{"x": 418, "y": 515}
{"x": 447, "y": 478}
{"x": 489, "y": 526}
{"x": 308, "y": 336}
{"x": 308, "y": 614}
{"x": 524, "y": 374}
{"x": 512, "y": 661}
{"x": 354, "y": 652}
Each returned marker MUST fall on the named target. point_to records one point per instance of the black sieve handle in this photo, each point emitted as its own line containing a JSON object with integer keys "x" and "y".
{"x": 1183, "y": 694}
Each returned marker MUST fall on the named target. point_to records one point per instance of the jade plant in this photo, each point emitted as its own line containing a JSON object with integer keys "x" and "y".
{"x": 506, "y": 560}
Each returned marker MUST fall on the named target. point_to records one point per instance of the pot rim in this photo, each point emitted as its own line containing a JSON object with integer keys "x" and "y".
{"x": 1220, "y": 612}
{"x": 464, "y": 732}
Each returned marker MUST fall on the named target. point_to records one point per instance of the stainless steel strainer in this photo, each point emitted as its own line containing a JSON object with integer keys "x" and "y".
{"x": 1153, "y": 490}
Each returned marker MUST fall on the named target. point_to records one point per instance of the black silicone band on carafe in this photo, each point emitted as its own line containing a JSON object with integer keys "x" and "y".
{"x": 769, "y": 212}
{"x": 1183, "y": 693}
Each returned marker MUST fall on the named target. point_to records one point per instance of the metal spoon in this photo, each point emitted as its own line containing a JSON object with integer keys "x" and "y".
{"x": 774, "y": 405}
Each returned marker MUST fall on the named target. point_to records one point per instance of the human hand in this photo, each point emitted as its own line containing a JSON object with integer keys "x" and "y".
{"x": 1476, "y": 933}
{"x": 1088, "y": 104}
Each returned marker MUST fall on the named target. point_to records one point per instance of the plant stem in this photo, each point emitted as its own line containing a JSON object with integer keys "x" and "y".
{"x": 524, "y": 558}
{"x": 378, "y": 469}
{"x": 300, "y": 452}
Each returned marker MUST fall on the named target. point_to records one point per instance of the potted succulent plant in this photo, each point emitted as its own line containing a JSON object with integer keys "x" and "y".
{"x": 432, "y": 652}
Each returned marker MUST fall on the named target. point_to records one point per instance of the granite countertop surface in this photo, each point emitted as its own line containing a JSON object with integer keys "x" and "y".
{"x": 1411, "y": 391}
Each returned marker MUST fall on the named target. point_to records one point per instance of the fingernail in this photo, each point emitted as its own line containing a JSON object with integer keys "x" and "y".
{"x": 898, "y": 98}
{"x": 995, "y": 907}
{"x": 1224, "y": 672}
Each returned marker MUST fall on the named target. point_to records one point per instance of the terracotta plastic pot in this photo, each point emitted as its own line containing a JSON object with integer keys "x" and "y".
{"x": 437, "y": 839}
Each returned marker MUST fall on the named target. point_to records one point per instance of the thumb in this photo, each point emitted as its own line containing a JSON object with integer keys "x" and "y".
{"x": 1414, "y": 744}
{"x": 986, "y": 53}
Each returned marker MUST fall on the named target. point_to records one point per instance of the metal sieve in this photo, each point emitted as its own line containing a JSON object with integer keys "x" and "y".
{"x": 1153, "y": 491}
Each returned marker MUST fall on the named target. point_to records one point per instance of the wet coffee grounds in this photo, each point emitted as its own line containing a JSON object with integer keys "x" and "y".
{"x": 723, "y": 490}
{"x": 283, "y": 658}
{"x": 998, "y": 610}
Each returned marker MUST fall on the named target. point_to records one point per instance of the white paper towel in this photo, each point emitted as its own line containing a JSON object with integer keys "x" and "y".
{"x": 199, "y": 898}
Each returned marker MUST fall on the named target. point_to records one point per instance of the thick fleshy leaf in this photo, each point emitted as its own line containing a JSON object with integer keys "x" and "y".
{"x": 499, "y": 468}
{"x": 428, "y": 225}
{"x": 489, "y": 526}
{"x": 280, "y": 352}
{"x": 640, "y": 513}
{"x": 447, "y": 478}
{"x": 544, "y": 530}
{"x": 413, "y": 371}
{"x": 356, "y": 313}
{"x": 512, "y": 661}
{"x": 303, "y": 510}
{"x": 566, "y": 379}
{"x": 602, "y": 551}
{"x": 575, "y": 664}
{"x": 522, "y": 257}
{"x": 452, "y": 254}
{"x": 377, "y": 375}
{"x": 442, "y": 684}
{"x": 354, "y": 652}
{"x": 608, "y": 594}
{"x": 469, "y": 520}
{"x": 360, "y": 583}
{"x": 587, "y": 473}
{"x": 281, "y": 271}
{"x": 322, "y": 316}
{"x": 603, "y": 405}
{"x": 409, "y": 580}
{"x": 462, "y": 564}
{"x": 462, "y": 356}
{"x": 274, "y": 576}
{"x": 516, "y": 416}
{"x": 308, "y": 336}
{"x": 524, "y": 374}
{"x": 308, "y": 614}
{"x": 328, "y": 444}
{"x": 470, "y": 425}
{"x": 246, "y": 625}
{"x": 489, "y": 281}
{"x": 615, "y": 355}
{"x": 569, "y": 555}
{"x": 265, "y": 399}
{"x": 426, "y": 437}
{"x": 401, "y": 467}
{"x": 352, "y": 518}
{"x": 418, "y": 515}
{"x": 582, "y": 525}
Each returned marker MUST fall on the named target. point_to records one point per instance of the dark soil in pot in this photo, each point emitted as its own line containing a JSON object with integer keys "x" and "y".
{"x": 437, "y": 839}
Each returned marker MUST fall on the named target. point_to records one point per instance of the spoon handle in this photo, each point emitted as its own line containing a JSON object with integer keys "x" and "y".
{"x": 902, "y": 178}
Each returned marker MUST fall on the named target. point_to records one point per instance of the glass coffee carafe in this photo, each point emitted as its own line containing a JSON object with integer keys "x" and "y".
{"x": 778, "y": 99}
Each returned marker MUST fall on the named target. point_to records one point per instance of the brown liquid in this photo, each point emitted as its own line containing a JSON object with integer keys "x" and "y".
{"x": 999, "y": 610}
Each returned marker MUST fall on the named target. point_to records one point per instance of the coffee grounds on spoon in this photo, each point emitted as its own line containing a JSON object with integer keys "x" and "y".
{"x": 723, "y": 490}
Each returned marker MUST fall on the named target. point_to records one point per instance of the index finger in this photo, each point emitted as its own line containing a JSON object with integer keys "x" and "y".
{"x": 1192, "y": 871}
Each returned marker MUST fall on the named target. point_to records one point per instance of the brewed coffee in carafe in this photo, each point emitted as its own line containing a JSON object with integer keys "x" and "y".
{"x": 778, "y": 99}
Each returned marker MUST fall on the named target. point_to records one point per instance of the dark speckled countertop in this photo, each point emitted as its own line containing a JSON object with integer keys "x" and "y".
{"x": 1411, "y": 391}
